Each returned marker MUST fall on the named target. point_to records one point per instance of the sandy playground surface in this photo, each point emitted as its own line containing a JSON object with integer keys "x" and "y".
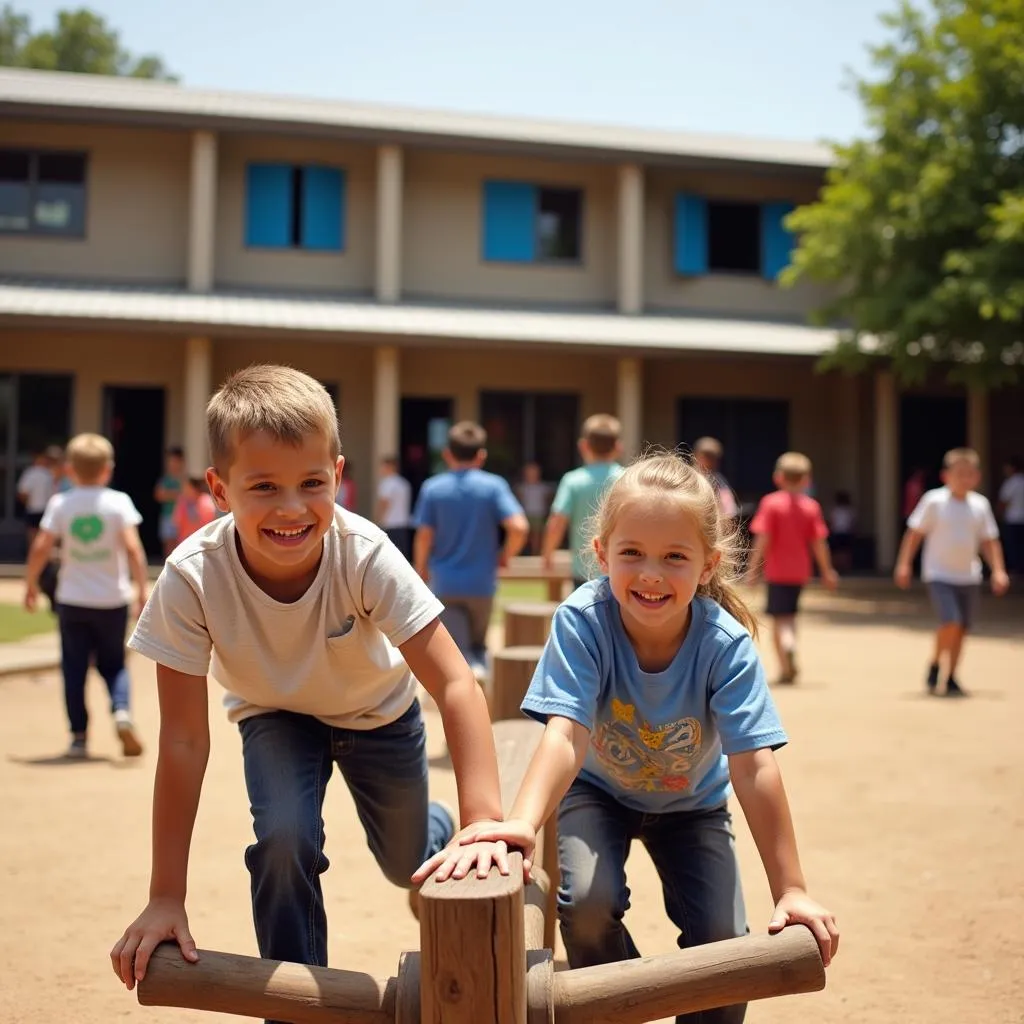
{"x": 909, "y": 810}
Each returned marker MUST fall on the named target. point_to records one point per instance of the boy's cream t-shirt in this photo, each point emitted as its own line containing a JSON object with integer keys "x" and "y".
{"x": 331, "y": 654}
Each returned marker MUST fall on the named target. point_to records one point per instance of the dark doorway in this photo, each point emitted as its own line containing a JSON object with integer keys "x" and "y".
{"x": 133, "y": 419}
{"x": 929, "y": 426}
{"x": 423, "y": 436}
{"x": 526, "y": 427}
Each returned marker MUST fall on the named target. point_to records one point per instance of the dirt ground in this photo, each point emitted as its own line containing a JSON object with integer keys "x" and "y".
{"x": 909, "y": 810}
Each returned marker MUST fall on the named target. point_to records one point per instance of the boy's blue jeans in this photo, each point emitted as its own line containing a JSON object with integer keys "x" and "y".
{"x": 694, "y": 854}
{"x": 288, "y": 759}
{"x": 87, "y": 635}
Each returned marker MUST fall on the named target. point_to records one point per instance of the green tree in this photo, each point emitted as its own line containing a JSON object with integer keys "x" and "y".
{"x": 920, "y": 226}
{"x": 81, "y": 41}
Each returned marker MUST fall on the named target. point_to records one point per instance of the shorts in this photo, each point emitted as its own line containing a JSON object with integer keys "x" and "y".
{"x": 954, "y": 603}
{"x": 783, "y": 599}
{"x": 168, "y": 528}
{"x": 33, "y": 519}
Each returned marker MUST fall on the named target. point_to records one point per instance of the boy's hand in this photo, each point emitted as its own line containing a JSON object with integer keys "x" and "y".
{"x": 162, "y": 919}
{"x": 799, "y": 908}
{"x": 902, "y": 576}
{"x": 466, "y": 849}
{"x": 31, "y": 597}
{"x": 1000, "y": 583}
{"x": 830, "y": 578}
{"x": 140, "y": 603}
{"x": 518, "y": 833}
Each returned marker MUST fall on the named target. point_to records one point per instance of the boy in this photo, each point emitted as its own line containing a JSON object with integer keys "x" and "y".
{"x": 35, "y": 487}
{"x": 99, "y": 545}
{"x": 707, "y": 453}
{"x": 955, "y": 523}
{"x": 459, "y": 518}
{"x": 579, "y": 491}
{"x": 789, "y": 528}
{"x": 319, "y": 631}
{"x": 167, "y": 491}
{"x": 394, "y": 504}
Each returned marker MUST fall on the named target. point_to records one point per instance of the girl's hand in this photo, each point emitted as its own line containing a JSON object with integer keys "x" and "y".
{"x": 468, "y": 847}
{"x": 518, "y": 833}
{"x": 799, "y": 908}
{"x": 161, "y": 920}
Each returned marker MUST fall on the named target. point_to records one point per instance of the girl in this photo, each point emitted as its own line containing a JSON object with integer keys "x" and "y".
{"x": 654, "y": 698}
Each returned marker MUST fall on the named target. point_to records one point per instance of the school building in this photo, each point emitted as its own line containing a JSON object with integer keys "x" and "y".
{"x": 427, "y": 267}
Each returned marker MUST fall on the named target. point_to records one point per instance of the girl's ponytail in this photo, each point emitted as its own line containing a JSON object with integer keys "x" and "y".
{"x": 722, "y": 593}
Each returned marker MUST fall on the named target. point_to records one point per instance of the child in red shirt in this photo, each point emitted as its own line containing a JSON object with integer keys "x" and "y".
{"x": 789, "y": 528}
{"x": 194, "y": 508}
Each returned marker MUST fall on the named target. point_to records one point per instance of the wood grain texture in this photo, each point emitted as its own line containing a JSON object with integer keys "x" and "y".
{"x": 511, "y": 672}
{"x": 528, "y": 623}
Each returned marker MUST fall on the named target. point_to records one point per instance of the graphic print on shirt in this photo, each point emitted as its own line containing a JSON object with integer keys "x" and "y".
{"x": 647, "y": 757}
{"x": 87, "y": 530}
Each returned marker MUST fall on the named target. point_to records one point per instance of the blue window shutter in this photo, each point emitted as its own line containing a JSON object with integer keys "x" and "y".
{"x": 691, "y": 234}
{"x": 510, "y": 221}
{"x": 323, "y": 208}
{"x": 776, "y": 242}
{"x": 268, "y": 205}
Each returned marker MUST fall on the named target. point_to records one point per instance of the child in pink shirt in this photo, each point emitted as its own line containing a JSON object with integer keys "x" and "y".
{"x": 194, "y": 508}
{"x": 789, "y": 528}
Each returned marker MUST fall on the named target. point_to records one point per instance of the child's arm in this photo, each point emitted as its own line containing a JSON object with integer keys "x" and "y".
{"x": 992, "y": 552}
{"x": 38, "y": 556}
{"x": 822, "y": 555}
{"x": 756, "y": 557}
{"x": 904, "y": 570}
{"x": 422, "y": 545}
{"x": 517, "y": 529}
{"x": 181, "y": 765}
{"x": 757, "y": 782}
{"x": 137, "y": 564}
{"x": 554, "y": 534}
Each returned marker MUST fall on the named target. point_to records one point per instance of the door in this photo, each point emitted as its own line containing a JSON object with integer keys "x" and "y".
{"x": 929, "y": 426}
{"x": 423, "y": 433}
{"x": 134, "y": 422}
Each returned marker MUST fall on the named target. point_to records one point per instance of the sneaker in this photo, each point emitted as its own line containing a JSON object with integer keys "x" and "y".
{"x": 131, "y": 746}
{"x": 932, "y": 680}
{"x": 76, "y": 751}
{"x": 954, "y": 689}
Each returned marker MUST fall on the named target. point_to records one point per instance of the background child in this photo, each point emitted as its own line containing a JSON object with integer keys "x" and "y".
{"x": 579, "y": 492}
{"x": 652, "y": 692}
{"x": 35, "y": 487}
{"x": 842, "y": 526}
{"x": 194, "y": 507}
{"x": 535, "y": 497}
{"x": 394, "y": 505}
{"x": 788, "y": 528}
{"x": 459, "y": 518}
{"x": 99, "y": 546}
{"x": 318, "y": 629}
{"x": 955, "y": 523}
{"x": 167, "y": 491}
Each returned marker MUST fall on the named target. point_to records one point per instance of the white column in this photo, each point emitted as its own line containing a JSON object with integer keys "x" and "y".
{"x": 631, "y": 239}
{"x": 977, "y": 429}
{"x": 386, "y": 406}
{"x": 630, "y": 405}
{"x": 887, "y": 442}
{"x": 197, "y": 394}
{"x": 389, "y": 223}
{"x": 202, "y": 214}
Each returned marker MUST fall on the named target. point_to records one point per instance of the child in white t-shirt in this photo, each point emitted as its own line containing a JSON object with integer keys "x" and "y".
{"x": 318, "y": 629}
{"x": 100, "y": 554}
{"x": 955, "y": 523}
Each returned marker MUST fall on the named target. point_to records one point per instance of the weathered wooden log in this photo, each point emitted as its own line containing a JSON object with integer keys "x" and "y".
{"x": 511, "y": 672}
{"x": 528, "y": 623}
{"x": 473, "y": 949}
{"x": 251, "y": 987}
{"x": 535, "y": 898}
{"x": 690, "y": 980}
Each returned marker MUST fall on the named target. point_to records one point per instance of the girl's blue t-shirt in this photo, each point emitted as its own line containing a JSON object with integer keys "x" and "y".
{"x": 658, "y": 740}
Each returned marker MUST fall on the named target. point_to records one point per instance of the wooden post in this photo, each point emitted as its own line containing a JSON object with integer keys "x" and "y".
{"x": 528, "y": 623}
{"x": 251, "y": 987}
{"x": 511, "y": 672}
{"x": 473, "y": 949}
{"x": 691, "y": 980}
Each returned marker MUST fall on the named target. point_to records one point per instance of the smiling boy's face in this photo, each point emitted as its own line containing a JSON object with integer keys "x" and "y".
{"x": 282, "y": 499}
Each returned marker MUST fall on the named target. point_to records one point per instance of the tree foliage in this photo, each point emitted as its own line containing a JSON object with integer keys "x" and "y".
{"x": 81, "y": 41}
{"x": 920, "y": 226}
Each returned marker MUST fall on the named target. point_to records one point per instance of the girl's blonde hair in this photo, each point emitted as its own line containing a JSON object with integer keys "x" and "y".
{"x": 669, "y": 473}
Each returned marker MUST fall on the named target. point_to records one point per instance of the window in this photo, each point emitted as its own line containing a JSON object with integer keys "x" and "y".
{"x": 288, "y": 207}
{"x": 714, "y": 236}
{"x": 525, "y": 223}
{"x": 42, "y": 193}
{"x": 523, "y": 427}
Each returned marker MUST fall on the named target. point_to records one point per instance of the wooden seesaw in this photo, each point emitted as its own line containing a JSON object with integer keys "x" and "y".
{"x": 482, "y": 961}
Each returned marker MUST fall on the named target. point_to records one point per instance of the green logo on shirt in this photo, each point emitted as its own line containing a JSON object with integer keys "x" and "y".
{"x": 87, "y": 528}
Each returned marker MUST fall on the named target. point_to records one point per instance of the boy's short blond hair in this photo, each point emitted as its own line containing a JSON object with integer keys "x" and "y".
{"x": 955, "y": 455}
{"x": 793, "y": 467}
{"x": 89, "y": 455}
{"x": 281, "y": 401}
{"x": 601, "y": 432}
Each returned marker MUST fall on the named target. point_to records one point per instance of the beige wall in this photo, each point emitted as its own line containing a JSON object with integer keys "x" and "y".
{"x": 733, "y": 294}
{"x": 295, "y": 270}
{"x": 442, "y": 252}
{"x": 136, "y": 218}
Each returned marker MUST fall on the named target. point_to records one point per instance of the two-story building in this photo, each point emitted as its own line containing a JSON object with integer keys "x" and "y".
{"x": 426, "y": 267}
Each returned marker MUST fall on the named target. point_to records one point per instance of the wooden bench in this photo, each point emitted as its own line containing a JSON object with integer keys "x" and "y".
{"x": 557, "y": 579}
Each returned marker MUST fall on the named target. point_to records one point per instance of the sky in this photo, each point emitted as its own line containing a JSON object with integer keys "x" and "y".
{"x": 738, "y": 67}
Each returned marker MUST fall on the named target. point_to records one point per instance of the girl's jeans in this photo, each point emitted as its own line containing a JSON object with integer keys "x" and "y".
{"x": 694, "y": 854}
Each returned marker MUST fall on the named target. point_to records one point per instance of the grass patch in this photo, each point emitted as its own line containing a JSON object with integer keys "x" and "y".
{"x": 16, "y": 623}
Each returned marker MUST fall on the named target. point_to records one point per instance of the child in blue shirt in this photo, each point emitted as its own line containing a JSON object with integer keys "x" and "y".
{"x": 654, "y": 701}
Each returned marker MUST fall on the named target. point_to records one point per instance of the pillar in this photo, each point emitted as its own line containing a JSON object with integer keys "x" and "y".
{"x": 887, "y": 489}
{"x": 202, "y": 214}
{"x": 386, "y": 405}
{"x": 977, "y": 429}
{"x": 197, "y": 393}
{"x": 389, "y": 223}
{"x": 630, "y": 405}
{"x": 631, "y": 239}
